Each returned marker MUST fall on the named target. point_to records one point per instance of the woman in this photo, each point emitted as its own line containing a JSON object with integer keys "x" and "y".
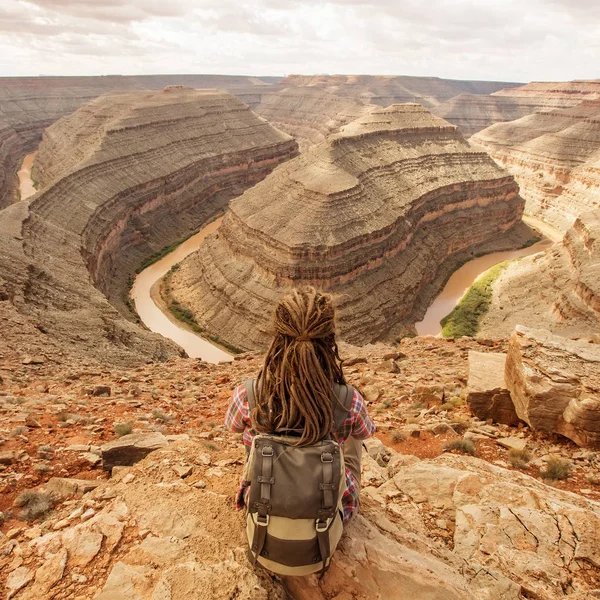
{"x": 295, "y": 389}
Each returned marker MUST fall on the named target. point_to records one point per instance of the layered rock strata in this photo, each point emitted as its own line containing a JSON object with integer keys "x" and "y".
{"x": 123, "y": 177}
{"x": 553, "y": 95}
{"x": 555, "y": 384}
{"x": 558, "y": 290}
{"x": 377, "y": 214}
{"x": 555, "y": 158}
{"x": 30, "y": 104}
{"x": 473, "y": 112}
{"x": 309, "y": 114}
{"x": 384, "y": 90}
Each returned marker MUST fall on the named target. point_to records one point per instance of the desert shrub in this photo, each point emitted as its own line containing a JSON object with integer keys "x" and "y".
{"x": 557, "y": 468}
{"x": 519, "y": 458}
{"x": 122, "y": 429}
{"x": 34, "y": 504}
{"x": 447, "y": 406}
{"x": 398, "y": 436}
{"x": 387, "y": 403}
{"x": 457, "y": 401}
{"x": 463, "y": 446}
{"x": 210, "y": 446}
{"x": 160, "y": 415}
{"x": 413, "y": 420}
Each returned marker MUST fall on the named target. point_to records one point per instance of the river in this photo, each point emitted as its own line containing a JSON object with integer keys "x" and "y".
{"x": 25, "y": 182}
{"x": 462, "y": 279}
{"x": 145, "y": 290}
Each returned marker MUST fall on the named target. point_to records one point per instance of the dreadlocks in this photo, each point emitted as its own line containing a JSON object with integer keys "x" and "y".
{"x": 295, "y": 385}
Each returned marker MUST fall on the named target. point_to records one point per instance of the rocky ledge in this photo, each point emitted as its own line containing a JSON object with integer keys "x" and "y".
{"x": 123, "y": 177}
{"x": 558, "y": 290}
{"x": 554, "y": 156}
{"x": 377, "y": 214}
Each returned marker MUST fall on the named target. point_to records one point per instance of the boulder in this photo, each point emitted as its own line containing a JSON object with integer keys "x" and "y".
{"x": 487, "y": 395}
{"x": 555, "y": 384}
{"x": 63, "y": 487}
{"x": 129, "y": 449}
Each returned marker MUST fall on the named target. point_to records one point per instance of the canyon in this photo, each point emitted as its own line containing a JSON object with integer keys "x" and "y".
{"x": 375, "y": 214}
{"x": 68, "y": 254}
{"x": 554, "y": 156}
{"x": 558, "y": 290}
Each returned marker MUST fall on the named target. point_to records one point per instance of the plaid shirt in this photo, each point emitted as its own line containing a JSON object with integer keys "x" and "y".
{"x": 358, "y": 424}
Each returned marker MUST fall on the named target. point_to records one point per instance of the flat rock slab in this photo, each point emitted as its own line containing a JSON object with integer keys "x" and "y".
{"x": 129, "y": 449}
{"x": 512, "y": 443}
{"x": 487, "y": 395}
{"x": 65, "y": 486}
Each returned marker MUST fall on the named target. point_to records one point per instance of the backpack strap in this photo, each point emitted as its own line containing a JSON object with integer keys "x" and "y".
{"x": 341, "y": 410}
{"x": 250, "y": 385}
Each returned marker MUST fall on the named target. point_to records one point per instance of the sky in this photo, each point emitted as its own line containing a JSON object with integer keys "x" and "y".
{"x": 503, "y": 40}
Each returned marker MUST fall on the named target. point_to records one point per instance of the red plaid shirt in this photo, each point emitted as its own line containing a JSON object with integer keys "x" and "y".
{"x": 358, "y": 424}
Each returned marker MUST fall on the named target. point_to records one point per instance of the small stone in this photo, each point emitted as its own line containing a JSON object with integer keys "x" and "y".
{"x": 92, "y": 458}
{"x": 182, "y": 470}
{"x": 205, "y": 459}
{"x": 17, "y": 580}
{"x": 7, "y": 457}
{"x": 31, "y": 422}
{"x": 13, "y": 533}
{"x": 61, "y": 524}
{"x": 33, "y": 360}
{"x": 78, "y": 448}
{"x": 199, "y": 484}
{"x": 101, "y": 390}
{"x": 88, "y": 514}
{"x": 128, "y": 478}
{"x": 512, "y": 443}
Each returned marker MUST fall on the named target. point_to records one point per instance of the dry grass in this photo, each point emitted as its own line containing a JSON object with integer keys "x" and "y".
{"x": 519, "y": 459}
{"x": 160, "y": 415}
{"x": 463, "y": 446}
{"x": 122, "y": 429}
{"x": 398, "y": 436}
{"x": 557, "y": 469}
{"x": 34, "y": 504}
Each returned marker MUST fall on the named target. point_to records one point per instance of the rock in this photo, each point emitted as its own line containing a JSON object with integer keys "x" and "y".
{"x": 92, "y": 458}
{"x": 65, "y": 487}
{"x": 48, "y": 575}
{"x": 7, "y": 457}
{"x": 441, "y": 429}
{"x": 101, "y": 390}
{"x": 388, "y": 366}
{"x": 555, "y": 384}
{"x": 355, "y": 361}
{"x": 182, "y": 470}
{"x": 17, "y": 580}
{"x": 512, "y": 443}
{"x": 34, "y": 360}
{"x": 428, "y": 394}
{"x": 83, "y": 544}
{"x": 129, "y": 449}
{"x": 410, "y": 243}
{"x": 411, "y": 430}
{"x": 487, "y": 395}
{"x": 31, "y": 422}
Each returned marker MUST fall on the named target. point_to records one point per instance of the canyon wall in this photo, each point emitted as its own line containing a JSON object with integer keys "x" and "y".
{"x": 558, "y": 290}
{"x": 378, "y": 214}
{"x": 30, "y": 104}
{"x": 384, "y": 90}
{"x": 555, "y": 158}
{"x": 309, "y": 114}
{"x": 124, "y": 176}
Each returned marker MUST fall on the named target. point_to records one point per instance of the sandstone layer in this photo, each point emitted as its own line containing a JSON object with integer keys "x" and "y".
{"x": 309, "y": 114}
{"x": 555, "y": 158}
{"x": 30, "y": 104}
{"x": 124, "y": 176}
{"x": 376, "y": 214}
{"x": 384, "y": 90}
{"x": 558, "y": 290}
{"x": 473, "y": 112}
{"x": 555, "y": 384}
{"x": 553, "y": 95}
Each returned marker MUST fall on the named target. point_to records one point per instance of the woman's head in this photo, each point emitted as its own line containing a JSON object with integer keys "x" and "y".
{"x": 296, "y": 382}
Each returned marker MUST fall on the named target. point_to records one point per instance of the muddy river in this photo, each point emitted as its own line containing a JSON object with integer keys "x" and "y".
{"x": 25, "y": 181}
{"x": 145, "y": 291}
{"x": 462, "y": 279}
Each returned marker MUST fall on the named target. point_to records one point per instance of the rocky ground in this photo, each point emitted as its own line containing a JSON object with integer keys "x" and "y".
{"x": 461, "y": 526}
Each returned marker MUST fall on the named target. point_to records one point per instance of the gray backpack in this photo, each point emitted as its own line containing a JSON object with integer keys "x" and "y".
{"x": 295, "y": 518}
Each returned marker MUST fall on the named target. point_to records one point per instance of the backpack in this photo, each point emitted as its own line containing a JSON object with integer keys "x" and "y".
{"x": 294, "y": 515}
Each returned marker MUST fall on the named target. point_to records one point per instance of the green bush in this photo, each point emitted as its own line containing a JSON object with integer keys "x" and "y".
{"x": 464, "y": 319}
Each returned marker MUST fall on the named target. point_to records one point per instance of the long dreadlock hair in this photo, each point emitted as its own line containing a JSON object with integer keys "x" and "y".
{"x": 295, "y": 384}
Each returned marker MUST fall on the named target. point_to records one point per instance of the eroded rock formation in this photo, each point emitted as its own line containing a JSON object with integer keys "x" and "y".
{"x": 123, "y": 177}
{"x": 555, "y": 158}
{"x": 30, "y": 104}
{"x": 555, "y": 384}
{"x": 376, "y": 214}
{"x": 309, "y": 114}
{"x": 558, "y": 290}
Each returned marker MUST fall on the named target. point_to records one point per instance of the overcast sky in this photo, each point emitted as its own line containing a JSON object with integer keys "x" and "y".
{"x": 508, "y": 40}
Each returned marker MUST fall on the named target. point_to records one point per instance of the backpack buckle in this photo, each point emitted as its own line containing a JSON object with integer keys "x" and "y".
{"x": 327, "y": 457}
{"x": 267, "y": 451}
{"x": 323, "y": 526}
{"x": 263, "y": 521}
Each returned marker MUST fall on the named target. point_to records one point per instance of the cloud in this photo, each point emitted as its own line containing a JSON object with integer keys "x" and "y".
{"x": 469, "y": 39}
